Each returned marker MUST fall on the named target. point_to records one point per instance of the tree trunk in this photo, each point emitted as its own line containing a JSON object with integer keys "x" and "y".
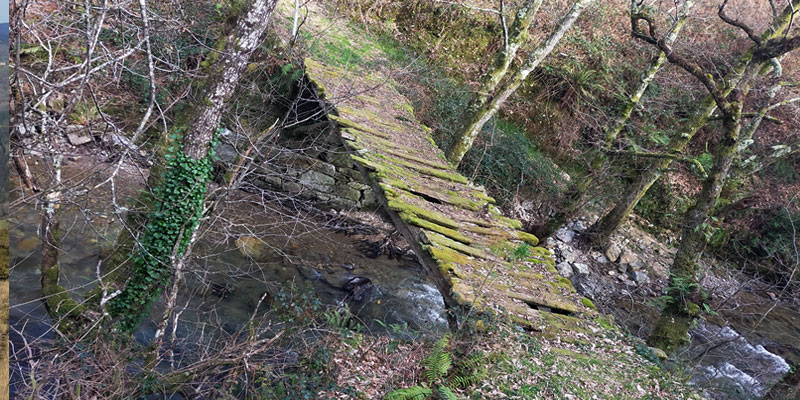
{"x": 601, "y": 230}
{"x": 180, "y": 197}
{"x": 605, "y": 226}
{"x": 516, "y": 36}
{"x": 487, "y": 111}
{"x": 575, "y": 195}
{"x": 671, "y": 330}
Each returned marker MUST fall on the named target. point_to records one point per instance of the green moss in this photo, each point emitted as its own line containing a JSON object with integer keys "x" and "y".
{"x": 396, "y": 183}
{"x": 441, "y": 240}
{"x": 450, "y": 233}
{"x": 447, "y": 255}
{"x": 562, "y": 283}
{"x": 370, "y": 116}
{"x": 355, "y": 125}
{"x": 404, "y": 107}
{"x": 438, "y": 218}
{"x": 606, "y": 323}
{"x": 588, "y": 303}
{"x": 429, "y": 163}
{"x": 455, "y": 199}
{"x": 446, "y": 175}
{"x": 527, "y": 238}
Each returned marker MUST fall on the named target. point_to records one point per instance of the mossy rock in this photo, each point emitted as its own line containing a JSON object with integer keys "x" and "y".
{"x": 588, "y": 303}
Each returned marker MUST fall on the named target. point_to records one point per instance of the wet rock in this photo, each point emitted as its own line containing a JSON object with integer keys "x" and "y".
{"x": 565, "y": 269}
{"x": 613, "y": 252}
{"x": 226, "y": 153}
{"x": 358, "y": 287}
{"x": 600, "y": 258}
{"x": 28, "y": 244}
{"x": 567, "y": 252}
{"x": 635, "y": 266}
{"x": 622, "y": 268}
{"x": 581, "y": 268}
{"x": 256, "y": 249}
{"x": 565, "y": 235}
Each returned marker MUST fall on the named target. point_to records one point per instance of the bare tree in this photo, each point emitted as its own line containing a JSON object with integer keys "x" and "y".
{"x": 685, "y": 298}
{"x": 576, "y": 192}
{"x": 606, "y": 225}
{"x": 481, "y": 116}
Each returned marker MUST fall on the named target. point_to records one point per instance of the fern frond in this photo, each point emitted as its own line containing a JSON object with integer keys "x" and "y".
{"x": 445, "y": 393}
{"x": 437, "y": 364}
{"x": 412, "y": 393}
{"x": 469, "y": 371}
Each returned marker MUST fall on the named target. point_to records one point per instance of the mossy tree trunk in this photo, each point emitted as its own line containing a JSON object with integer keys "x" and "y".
{"x": 180, "y": 197}
{"x": 685, "y": 297}
{"x": 480, "y": 117}
{"x": 601, "y": 230}
{"x": 513, "y": 39}
{"x": 57, "y": 300}
{"x": 576, "y": 192}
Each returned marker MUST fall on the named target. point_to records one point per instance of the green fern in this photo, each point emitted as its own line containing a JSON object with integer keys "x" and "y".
{"x": 438, "y": 362}
{"x": 442, "y": 375}
{"x": 469, "y": 371}
{"x": 445, "y": 393}
{"x": 412, "y": 393}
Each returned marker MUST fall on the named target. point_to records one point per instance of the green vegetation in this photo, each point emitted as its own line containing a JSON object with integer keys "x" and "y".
{"x": 175, "y": 216}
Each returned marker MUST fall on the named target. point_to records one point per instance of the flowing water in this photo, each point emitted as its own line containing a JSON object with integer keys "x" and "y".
{"x": 286, "y": 259}
{"x": 737, "y": 354}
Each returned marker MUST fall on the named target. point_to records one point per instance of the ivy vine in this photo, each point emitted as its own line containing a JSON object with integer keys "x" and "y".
{"x": 176, "y": 214}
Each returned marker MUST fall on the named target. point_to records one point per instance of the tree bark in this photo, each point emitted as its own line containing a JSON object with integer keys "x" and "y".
{"x": 517, "y": 35}
{"x": 489, "y": 109}
{"x": 608, "y": 224}
{"x": 686, "y": 300}
{"x": 153, "y": 267}
{"x": 576, "y": 193}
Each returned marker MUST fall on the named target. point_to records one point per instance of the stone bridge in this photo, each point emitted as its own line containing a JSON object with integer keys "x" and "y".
{"x": 479, "y": 257}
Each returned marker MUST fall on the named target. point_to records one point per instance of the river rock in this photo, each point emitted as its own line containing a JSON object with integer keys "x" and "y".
{"x": 578, "y": 226}
{"x": 599, "y": 258}
{"x": 28, "y": 244}
{"x": 581, "y": 268}
{"x": 358, "y": 287}
{"x": 256, "y": 249}
{"x": 613, "y": 252}
{"x": 634, "y": 266}
{"x": 565, "y": 235}
{"x": 564, "y": 268}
